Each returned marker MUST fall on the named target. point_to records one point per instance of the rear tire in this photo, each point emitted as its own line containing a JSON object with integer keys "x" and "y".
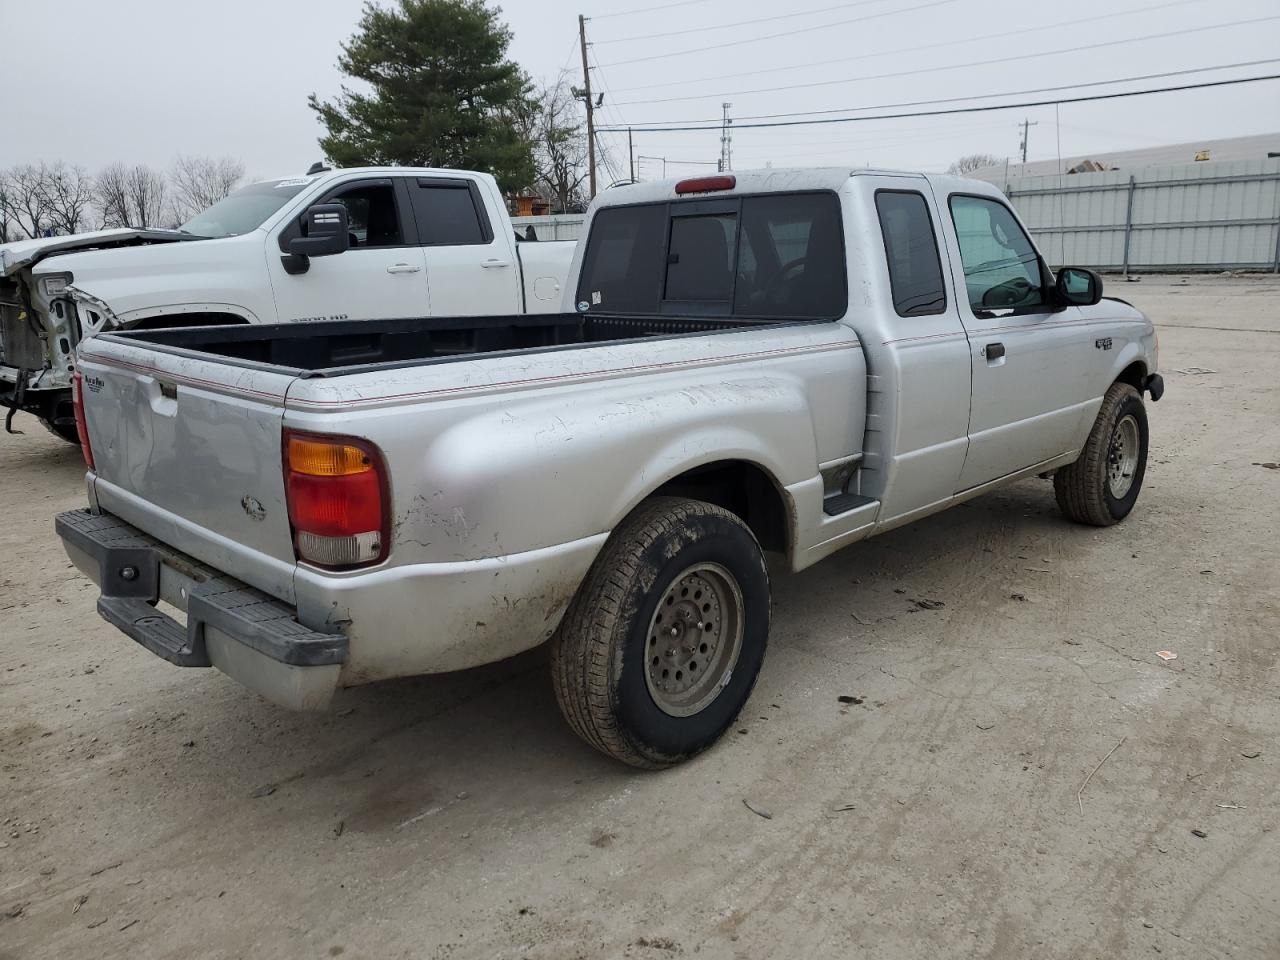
{"x": 1103, "y": 485}
{"x": 63, "y": 431}
{"x": 663, "y": 642}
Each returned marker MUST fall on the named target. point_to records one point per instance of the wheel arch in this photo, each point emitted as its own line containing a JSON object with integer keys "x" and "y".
{"x": 1135, "y": 374}
{"x": 744, "y": 488}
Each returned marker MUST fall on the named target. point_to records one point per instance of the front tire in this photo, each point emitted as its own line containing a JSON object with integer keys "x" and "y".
{"x": 663, "y": 642}
{"x": 1103, "y": 485}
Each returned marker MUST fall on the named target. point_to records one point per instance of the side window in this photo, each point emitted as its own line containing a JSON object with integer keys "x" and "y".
{"x": 701, "y": 258}
{"x": 371, "y": 215}
{"x": 793, "y": 264}
{"x": 1001, "y": 267}
{"x": 448, "y": 214}
{"x": 622, "y": 264}
{"x": 911, "y": 249}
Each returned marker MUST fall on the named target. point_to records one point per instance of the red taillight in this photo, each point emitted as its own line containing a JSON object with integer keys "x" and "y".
{"x": 706, "y": 184}
{"x": 338, "y": 499}
{"x": 82, "y": 428}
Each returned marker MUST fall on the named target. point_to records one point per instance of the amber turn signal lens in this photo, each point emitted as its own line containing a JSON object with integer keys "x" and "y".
{"x": 316, "y": 458}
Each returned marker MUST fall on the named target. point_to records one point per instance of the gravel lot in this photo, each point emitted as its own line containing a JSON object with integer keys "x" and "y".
{"x": 149, "y": 811}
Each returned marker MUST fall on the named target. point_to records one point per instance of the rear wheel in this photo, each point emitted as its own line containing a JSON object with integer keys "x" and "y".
{"x": 59, "y": 428}
{"x": 1103, "y": 485}
{"x": 662, "y": 645}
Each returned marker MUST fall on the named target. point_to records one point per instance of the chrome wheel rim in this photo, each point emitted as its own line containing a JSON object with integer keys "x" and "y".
{"x": 1122, "y": 456}
{"x": 694, "y": 639}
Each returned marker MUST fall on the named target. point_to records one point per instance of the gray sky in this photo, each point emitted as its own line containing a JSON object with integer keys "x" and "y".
{"x": 91, "y": 81}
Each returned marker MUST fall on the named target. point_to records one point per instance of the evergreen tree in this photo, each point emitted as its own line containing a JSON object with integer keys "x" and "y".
{"x": 442, "y": 93}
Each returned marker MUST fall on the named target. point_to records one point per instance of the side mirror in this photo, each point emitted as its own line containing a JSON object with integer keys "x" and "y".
{"x": 325, "y": 225}
{"x": 1078, "y": 287}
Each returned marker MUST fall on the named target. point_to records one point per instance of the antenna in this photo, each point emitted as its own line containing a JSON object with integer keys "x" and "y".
{"x": 726, "y": 140}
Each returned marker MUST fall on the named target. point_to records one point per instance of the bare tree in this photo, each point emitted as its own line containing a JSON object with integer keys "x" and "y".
{"x": 8, "y": 227}
{"x": 200, "y": 182}
{"x": 146, "y": 191}
{"x": 130, "y": 196}
{"x": 26, "y": 207}
{"x": 67, "y": 193}
{"x": 973, "y": 161}
{"x": 111, "y": 193}
{"x": 560, "y": 148}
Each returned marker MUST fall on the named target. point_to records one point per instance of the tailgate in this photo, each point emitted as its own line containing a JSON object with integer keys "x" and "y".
{"x": 187, "y": 449}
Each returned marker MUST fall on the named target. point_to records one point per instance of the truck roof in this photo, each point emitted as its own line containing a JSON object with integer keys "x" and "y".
{"x": 332, "y": 172}
{"x": 778, "y": 179}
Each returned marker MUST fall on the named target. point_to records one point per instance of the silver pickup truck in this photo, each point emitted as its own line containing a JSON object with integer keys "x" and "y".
{"x": 774, "y": 362}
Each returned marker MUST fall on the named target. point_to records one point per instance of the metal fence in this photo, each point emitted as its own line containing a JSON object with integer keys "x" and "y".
{"x": 1200, "y": 216}
{"x": 557, "y": 226}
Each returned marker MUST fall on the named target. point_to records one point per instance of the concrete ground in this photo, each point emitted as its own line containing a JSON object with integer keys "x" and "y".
{"x": 149, "y": 811}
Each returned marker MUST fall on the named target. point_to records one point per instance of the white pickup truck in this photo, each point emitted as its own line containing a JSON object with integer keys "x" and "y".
{"x": 781, "y": 362}
{"x": 418, "y": 242}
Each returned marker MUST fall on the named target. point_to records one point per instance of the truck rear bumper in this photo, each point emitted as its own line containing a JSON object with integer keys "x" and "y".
{"x": 245, "y": 633}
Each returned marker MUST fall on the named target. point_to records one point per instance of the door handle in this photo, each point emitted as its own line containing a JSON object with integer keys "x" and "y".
{"x": 489, "y": 264}
{"x": 403, "y": 268}
{"x": 993, "y": 351}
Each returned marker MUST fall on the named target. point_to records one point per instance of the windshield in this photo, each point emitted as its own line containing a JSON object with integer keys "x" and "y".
{"x": 244, "y": 209}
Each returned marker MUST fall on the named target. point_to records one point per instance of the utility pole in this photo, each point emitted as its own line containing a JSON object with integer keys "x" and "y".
{"x": 585, "y": 93}
{"x": 726, "y": 141}
{"x": 1025, "y": 125}
{"x": 631, "y": 155}
{"x": 641, "y": 156}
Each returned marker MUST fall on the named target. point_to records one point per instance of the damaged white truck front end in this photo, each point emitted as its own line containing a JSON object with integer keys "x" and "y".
{"x": 40, "y": 327}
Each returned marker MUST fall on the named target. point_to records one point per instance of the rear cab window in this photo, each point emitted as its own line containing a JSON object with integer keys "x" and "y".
{"x": 449, "y": 212}
{"x": 774, "y": 256}
{"x": 911, "y": 251}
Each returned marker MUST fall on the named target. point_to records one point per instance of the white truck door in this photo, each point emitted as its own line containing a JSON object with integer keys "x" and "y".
{"x": 1025, "y": 370}
{"x": 382, "y": 274}
{"x": 471, "y": 262}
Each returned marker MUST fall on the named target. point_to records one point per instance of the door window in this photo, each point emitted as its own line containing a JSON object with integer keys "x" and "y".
{"x": 372, "y": 220}
{"x": 911, "y": 249}
{"x": 449, "y": 214}
{"x": 1001, "y": 267}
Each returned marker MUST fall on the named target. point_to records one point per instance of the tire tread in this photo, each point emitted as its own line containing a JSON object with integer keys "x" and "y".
{"x": 583, "y": 647}
{"x": 1079, "y": 487}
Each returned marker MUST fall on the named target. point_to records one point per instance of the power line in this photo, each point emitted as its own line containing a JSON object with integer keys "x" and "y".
{"x": 960, "y": 66}
{"x": 988, "y": 107}
{"x": 785, "y": 33}
{"x": 1040, "y": 28}
{"x": 738, "y": 23}
{"x": 703, "y": 124}
{"x": 628, "y": 13}
{"x": 608, "y": 110}
{"x": 871, "y": 140}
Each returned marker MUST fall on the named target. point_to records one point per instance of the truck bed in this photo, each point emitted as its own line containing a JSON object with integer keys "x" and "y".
{"x": 335, "y": 347}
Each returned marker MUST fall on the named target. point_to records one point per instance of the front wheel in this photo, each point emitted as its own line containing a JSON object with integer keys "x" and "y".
{"x": 662, "y": 645}
{"x": 1103, "y": 485}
